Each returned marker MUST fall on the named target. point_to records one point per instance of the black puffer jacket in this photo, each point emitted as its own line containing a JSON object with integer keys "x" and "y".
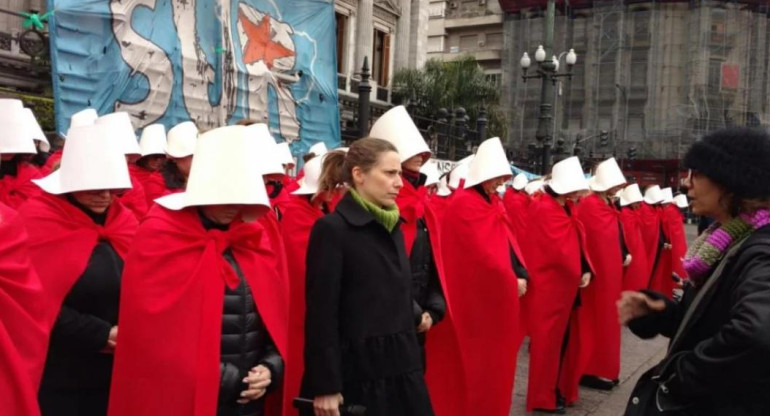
{"x": 246, "y": 344}
{"x": 718, "y": 363}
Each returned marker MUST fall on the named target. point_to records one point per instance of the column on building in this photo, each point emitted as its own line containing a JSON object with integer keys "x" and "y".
{"x": 418, "y": 43}
{"x": 364, "y": 33}
{"x": 403, "y": 30}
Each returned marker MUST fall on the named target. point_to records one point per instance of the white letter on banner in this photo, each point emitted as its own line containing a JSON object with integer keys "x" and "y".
{"x": 197, "y": 74}
{"x": 146, "y": 58}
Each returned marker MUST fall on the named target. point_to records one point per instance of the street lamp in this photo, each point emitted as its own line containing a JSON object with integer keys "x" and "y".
{"x": 548, "y": 72}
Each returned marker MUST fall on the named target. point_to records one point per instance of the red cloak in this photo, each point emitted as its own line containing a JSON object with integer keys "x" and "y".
{"x": 62, "y": 238}
{"x": 152, "y": 182}
{"x": 441, "y": 349}
{"x": 439, "y": 205}
{"x": 167, "y": 359}
{"x": 553, "y": 250}
{"x": 675, "y": 225}
{"x": 516, "y": 203}
{"x": 476, "y": 239}
{"x": 650, "y": 225}
{"x": 135, "y": 198}
{"x": 16, "y": 190}
{"x": 23, "y": 331}
{"x": 599, "y": 312}
{"x": 299, "y": 215}
{"x": 635, "y": 276}
{"x": 52, "y": 162}
{"x": 662, "y": 280}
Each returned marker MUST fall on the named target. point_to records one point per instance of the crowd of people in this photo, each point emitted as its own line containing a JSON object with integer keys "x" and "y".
{"x": 191, "y": 273}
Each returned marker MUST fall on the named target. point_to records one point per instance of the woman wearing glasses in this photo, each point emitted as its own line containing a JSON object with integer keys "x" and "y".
{"x": 717, "y": 362}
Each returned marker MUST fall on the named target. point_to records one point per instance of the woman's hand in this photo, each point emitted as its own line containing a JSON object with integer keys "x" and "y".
{"x": 258, "y": 380}
{"x": 628, "y": 260}
{"x": 112, "y": 341}
{"x": 522, "y": 287}
{"x": 328, "y": 405}
{"x": 585, "y": 280}
{"x": 426, "y": 324}
{"x": 634, "y": 305}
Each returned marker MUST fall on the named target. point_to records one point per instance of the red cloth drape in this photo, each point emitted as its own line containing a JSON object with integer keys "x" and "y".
{"x": 441, "y": 349}
{"x": 553, "y": 250}
{"x": 299, "y": 215}
{"x": 635, "y": 276}
{"x": 476, "y": 239}
{"x": 167, "y": 359}
{"x": 152, "y": 182}
{"x": 675, "y": 224}
{"x": 650, "y": 225}
{"x": 62, "y": 238}
{"x": 16, "y": 190}
{"x": 23, "y": 330}
{"x": 135, "y": 199}
{"x": 52, "y": 162}
{"x": 517, "y": 203}
{"x": 662, "y": 280}
{"x": 599, "y": 312}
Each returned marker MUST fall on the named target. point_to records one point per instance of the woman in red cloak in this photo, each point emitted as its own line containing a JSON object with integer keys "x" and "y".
{"x": 671, "y": 222}
{"x": 17, "y": 146}
{"x": 652, "y": 229}
{"x": 558, "y": 267}
{"x": 147, "y": 168}
{"x": 485, "y": 276}
{"x": 606, "y": 247}
{"x": 635, "y": 275}
{"x": 202, "y": 277}
{"x": 23, "y": 331}
{"x": 516, "y": 203}
{"x": 79, "y": 235}
{"x": 180, "y": 145}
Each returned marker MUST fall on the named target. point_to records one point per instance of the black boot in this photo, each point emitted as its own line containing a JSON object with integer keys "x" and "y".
{"x": 598, "y": 383}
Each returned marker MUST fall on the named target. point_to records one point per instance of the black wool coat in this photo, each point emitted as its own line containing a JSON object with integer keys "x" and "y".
{"x": 360, "y": 337}
{"x": 718, "y": 362}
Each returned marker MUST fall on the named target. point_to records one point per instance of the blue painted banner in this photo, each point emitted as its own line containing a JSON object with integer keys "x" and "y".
{"x": 211, "y": 61}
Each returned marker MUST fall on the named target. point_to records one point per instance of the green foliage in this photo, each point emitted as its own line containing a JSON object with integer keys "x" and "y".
{"x": 449, "y": 85}
{"x": 41, "y": 106}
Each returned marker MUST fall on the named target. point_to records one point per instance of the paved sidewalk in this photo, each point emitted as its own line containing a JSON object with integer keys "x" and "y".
{"x": 637, "y": 356}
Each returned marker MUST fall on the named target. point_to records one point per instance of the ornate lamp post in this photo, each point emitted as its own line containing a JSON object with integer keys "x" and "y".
{"x": 547, "y": 71}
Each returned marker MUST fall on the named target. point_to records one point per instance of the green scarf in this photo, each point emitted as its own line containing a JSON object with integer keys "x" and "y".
{"x": 388, "y": 217}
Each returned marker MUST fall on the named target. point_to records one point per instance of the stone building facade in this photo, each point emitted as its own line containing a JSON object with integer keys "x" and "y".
{"x": 655, "y": 75}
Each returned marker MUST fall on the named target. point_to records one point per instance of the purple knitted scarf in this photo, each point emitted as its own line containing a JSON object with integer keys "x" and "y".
{"x": 711, "y": 246}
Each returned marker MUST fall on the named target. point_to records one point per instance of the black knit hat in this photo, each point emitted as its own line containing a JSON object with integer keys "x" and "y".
{"x": 737, "y": 158}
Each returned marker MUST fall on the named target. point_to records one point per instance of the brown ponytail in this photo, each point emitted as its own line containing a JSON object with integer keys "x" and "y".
{"x": 338, "y": 165}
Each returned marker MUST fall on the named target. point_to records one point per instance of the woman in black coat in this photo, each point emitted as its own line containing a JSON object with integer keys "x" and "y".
{"x": 718, "y": 361}
{"x": 361, "y": 345}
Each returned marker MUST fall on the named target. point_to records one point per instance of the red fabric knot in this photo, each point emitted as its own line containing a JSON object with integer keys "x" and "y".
{"x": 102, "y": 233}
{"x": 221, "y": 241}
{"x": 414, "y": 205}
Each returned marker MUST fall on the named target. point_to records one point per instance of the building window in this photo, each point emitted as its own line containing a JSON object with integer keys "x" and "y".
{"x": 436, "y": 10}
{"x": 342, "y": 26}
{"x": 381, "y": 62}
{"x": 435, "y": 44}
{"x": 469, "y": 43}
{"x": 494, "y": 41}
{"x": 495, "y": 79}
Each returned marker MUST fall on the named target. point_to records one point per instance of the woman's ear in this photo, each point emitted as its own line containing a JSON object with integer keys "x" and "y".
{"x": 357, "y": 174}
